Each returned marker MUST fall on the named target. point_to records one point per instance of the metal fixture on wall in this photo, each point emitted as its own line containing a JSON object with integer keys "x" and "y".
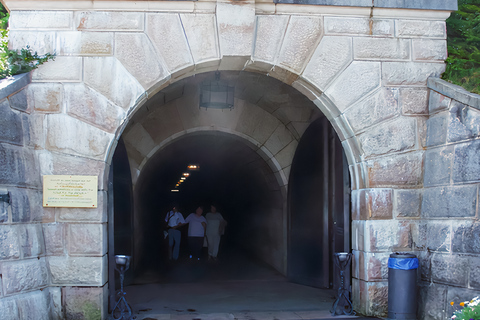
{"x": 216, "y": 94}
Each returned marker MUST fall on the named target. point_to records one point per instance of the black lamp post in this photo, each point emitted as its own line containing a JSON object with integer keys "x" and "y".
{"x": 216, "y": 95}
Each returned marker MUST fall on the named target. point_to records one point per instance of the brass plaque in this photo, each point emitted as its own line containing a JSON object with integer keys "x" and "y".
{"x": 70, "y": 191}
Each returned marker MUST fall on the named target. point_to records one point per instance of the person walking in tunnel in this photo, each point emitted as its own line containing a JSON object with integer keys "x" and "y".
{"x": 196, "y": 232}
{"x": 215, "y": 228}
{"x": 174, "y": 220}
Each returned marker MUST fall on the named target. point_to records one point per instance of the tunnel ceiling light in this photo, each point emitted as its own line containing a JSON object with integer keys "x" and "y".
{"x": 186, "y": 174}
{"x": 183, "y": 178}
{"x": 216, "y": 94}
{"x": 175, "y": 190}
{"x": 193, "y": 167}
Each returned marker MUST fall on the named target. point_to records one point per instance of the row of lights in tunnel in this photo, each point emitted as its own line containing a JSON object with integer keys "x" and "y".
{"x": 185, "y": 175}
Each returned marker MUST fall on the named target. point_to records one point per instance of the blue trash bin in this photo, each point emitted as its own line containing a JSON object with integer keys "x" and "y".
{"x": 402, "y": 286}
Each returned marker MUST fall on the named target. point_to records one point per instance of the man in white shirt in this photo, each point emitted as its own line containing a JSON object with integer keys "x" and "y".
{"x": 174, "y": 219}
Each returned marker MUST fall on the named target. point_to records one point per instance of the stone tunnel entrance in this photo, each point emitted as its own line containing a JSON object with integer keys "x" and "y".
{"x": 273, "y": 165}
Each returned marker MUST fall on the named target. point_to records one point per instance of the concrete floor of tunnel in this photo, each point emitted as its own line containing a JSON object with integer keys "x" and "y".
{"x": 236, "y": 287}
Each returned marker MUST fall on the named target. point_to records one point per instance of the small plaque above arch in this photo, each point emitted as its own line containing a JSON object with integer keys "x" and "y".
{"x": 70, "y": 191}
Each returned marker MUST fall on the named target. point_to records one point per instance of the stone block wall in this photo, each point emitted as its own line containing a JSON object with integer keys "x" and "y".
{"x": 450, "y": 255}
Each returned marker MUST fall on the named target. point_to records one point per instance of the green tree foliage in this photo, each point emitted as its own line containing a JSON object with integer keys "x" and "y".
{"x": 14, "y": 62}
{"x": 463, "y": 38}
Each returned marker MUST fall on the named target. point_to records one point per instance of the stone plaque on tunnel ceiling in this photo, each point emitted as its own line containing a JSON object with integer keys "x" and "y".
{"x": 70, "y": 191}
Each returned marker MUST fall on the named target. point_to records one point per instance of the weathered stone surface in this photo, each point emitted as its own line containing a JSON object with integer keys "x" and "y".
{"x": 34, "y": 303}
{"x": 86, "y": 104}
{"x": 278, "y": 140}
{"x": 355, "y": 26}
{"x": 458, "y": 295}
{"x": 78, "y": 271}
{"x": 26, "y": 206}
{"x": 450, "y": 269}
{"x": 410, "y": 73}
{"x": 9, "y": 86}
{"x": 474, "y": 274}
{"x": 464, "y": 122}
{"x": 465, "y": 237}
{"x": 68, "y": 135}
{"x": 371, "y": 266}
{"x": 432, "y": 301}
{"x": 108, "y": 76}
{"x": 429, "y": 50}
{"x": 452, "y": 90}
{"x": 119, "y": 21}
{"x": 270, "y": 30}
{"x": 438, "y": 166}
{"x": 201, "y": 36}
{"x": 9, "y": 309}
{"x": 31, "y": 240}
{"x": 236, "y": 26}
{"x": 359, "y": 79}
{"x": 24, "y": 275}
{"x": 387, "y": 235}
{"x": 437, "y": 102}
{"x": 168, "y": 37}
{"x": 466, "y": 164}
{"x": 382, "y": 105}
{"x": 407, "y": 203}
{"x": 18, "y": 101}
{"x": 301, "y": 37}
{"x": 376, "y": 203}
{"x": 84, "y": 43}
{"x": 421, "y": 28}
{"x": 79, "y": 301}
{"x": 285, "y": 156}
{"x": 414, "y": 100}
{"x": 39, "y": 41}
{"x": 437, "y": 129}
{"x": 33, "y": 130}
{"x": 54, "y": 238}
{"x": 331, "y": 56}
{"x": 11, "y": 129}
{"x": 392, "y": 136}
{"x": 139, "y": 138}
{"x": 55, "y": 70}
{"x": 3, "y": 208}
{"x": 9, "y": 246}
{"x": 33, "y": 20}
{"x": 439, "y": 236}
{"x": 19, "y": 166}
{"x": 45, "y": 97}
{"x": 400, "y": 170}
{"x": 138, "y": 56}
{"x": 381, "y": 49}
{"x": 87, "y": 239}
{"x": 98, "y": 214}
{"x": 456, "y": 201}
{"x": 56, "y": 302}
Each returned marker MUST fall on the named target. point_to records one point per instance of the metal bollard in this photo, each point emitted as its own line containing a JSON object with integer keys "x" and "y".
{"x": 402, "y": 286}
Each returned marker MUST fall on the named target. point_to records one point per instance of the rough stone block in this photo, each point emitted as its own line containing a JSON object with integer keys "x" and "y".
{"x": 270, "y": 30}
{"x": 380, "y": 106}
{"x": 407, "y": 203}
{"x": 98, "y": 214}
{"x": 331, "y": 56}
{"x": 118, "y": 21}
{"x": 432, "y": 301}
{"x": 387, "y": 235}
{"x": 109, "y": 77}
{"x": 87, "y": 239}
{"x": 9, "y": 246}
{"x": 24, "y": 275}
{"x": 359, "y": 79}
{"x": 54, "y": 234}
{"x": 68, "y": 135}
{"x": 301, "y": 37}
{"x": 392, "y": 136}
{"x": 458, "y": 295}
{"x": 54, "y": 71}
{"x": 377, "y": 298}
{"x": 410, "y": 73}
{"x": 414, "y": 100}
{"x": 429, "y": 50}
{"x": 421, "y": 28}
{"x": 376, "y": 203}
{"x": 45, "y": 97}
{"x": 27, "y": 206}
{"x": 437, "y": 129}
{"x": 452, "y": 90}
{"x": 358, "y": 235}
{"x": 437, "y": 102}
{"x": 19, "y": 166}
{"x": 372, "y": 266}
{"x": 34, "y": 303}
{"x": 139, "y": 138}
{"x": 9, "y": 309}
{"x": 31, "y": 240}
{"x": 278, "y": 140}
{"x": 80, "y": 301}
{"x": 464, "y": 122}
{"x": 34, "y": 20}
{"x": 3, "y": 210}
{"x": 86, "y": 104}
{"x": 439, "y": 236}
{"x": 474, "y": 274}
{"x": 146, "y": 66}
{"x": 41, "y": 42}
{"x": 18, "y": 101}
{"x": 400, "y": 170}
{"x": 450, "y": 269}
{"x": 424, "y": 267}
{"x": 465, "y": 237}
{"x": 466, "y": 164}
{"x": 84, "y": 43}
{"x": 78, "y": 271}
{"x": 438, "y": 166}
{"x": 285, "y": 156}
{"x": 200, "y": 30}
{"x": 381, "y": 49}
{"x": 444, "y": 202}
{"x": 359, "y": 26}
{"x": 11, "y": 129}
{"x": 418, "y": 230}
{"x": 56, "y": 303}
{"x": 168, "y": 37}
{"x": 33, "y": 131}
